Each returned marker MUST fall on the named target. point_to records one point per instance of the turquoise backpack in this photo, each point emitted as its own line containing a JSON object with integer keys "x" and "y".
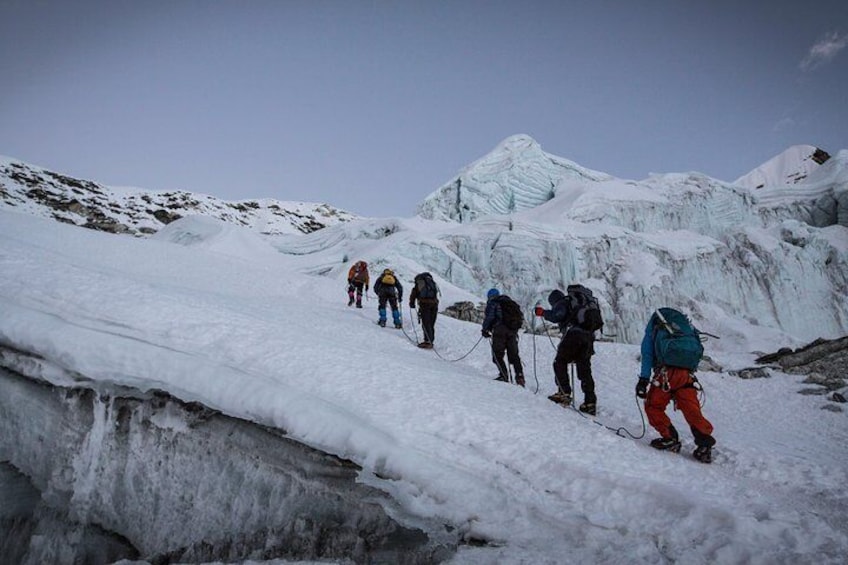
{"x": 677, "y": 343}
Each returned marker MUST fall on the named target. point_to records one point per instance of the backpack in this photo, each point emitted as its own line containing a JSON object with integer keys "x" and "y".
{"x": 677, "y": 342}
{"x": 388, "y": 278}
{"x": 426, "y": 286}
{"x": 510, "y": 312}
{"x": 585, "y": 310}
{"x": 360, "y": 271}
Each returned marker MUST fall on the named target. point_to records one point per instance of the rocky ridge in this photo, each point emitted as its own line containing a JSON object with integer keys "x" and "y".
{"x": 41, "y": 192}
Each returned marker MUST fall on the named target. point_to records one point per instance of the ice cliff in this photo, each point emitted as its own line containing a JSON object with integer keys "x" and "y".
{"x": 516, "y": 176}
{"x": 97, "y": 476}
{"x": 732, "y": 255}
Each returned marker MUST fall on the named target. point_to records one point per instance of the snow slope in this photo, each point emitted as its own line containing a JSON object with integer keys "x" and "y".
{"x": 790, "y": 167}
{"x": 269, "y": 338}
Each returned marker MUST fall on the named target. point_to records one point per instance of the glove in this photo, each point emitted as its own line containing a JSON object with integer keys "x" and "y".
{"x": 642, "y": 388}
{"x": 540, "y": 311}
{"x": 486, "y": 333}
{"x": 349, "y": 281}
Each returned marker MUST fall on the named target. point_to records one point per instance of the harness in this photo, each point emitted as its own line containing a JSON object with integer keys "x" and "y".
{"x": 661, "y": 380}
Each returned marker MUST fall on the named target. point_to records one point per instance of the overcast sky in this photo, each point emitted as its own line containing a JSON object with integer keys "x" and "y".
{"x": 370, "y": 106}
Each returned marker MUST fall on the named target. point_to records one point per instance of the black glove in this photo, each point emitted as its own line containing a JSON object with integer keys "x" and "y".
{"x": 486, "y": 333}
{"x": 642, "y": 388}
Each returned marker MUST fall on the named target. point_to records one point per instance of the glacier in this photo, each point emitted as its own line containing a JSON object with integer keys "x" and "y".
{"x": 120, "y": 473}
{"x": 735, "y": 257}
{"x": 200, "y": 392}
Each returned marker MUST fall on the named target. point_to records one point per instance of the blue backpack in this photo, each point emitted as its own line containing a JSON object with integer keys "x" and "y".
{"x": 677, "y": 343}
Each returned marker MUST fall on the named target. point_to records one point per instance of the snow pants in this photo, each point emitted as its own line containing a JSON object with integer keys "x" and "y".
{"x": 576, "y": 347}
{"x": 427, "y": 313}
{"x": 680, "y": 388}
{"x": 354, "y": 288}
{"x": 393, "y": 303}
{"x": 505, "y": 340}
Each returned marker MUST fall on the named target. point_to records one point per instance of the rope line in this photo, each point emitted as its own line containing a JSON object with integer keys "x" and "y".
{"x": 436, "y": 351}
{"x": 572, "y": 368}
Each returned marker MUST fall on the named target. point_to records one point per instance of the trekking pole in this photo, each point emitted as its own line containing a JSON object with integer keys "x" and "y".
{"x": 664, "y": 322}
{"x": 533, "y": 330}
{"x": 414, "y": 331}
{"x": 572, "y": 368}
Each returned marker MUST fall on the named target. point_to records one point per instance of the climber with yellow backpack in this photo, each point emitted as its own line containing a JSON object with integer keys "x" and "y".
{"x": 388, "y": 289}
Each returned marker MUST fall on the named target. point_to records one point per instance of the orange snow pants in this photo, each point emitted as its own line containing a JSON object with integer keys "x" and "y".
{"x": 685, "y": 399}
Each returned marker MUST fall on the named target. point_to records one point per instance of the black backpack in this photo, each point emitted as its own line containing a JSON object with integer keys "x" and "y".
{"x": 512, "y": 316}
{"x": 585, "y": 310}
{"x": 426, "y": 286}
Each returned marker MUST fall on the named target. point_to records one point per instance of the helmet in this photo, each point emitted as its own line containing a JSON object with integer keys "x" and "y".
{"x": 492, "y": 292}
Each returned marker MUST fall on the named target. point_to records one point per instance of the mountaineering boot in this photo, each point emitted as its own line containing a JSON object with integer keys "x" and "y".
{"x": 560, "y": 398}
{"x": 382, "y": 323}
{"x": 703, "y": 454}
{"x": 666, "y": 444}
{"x": 350, "y": 302}
{"x": 502, "y": 379}
{"x": 425, "y": 345}
{"x": 588, "y": 408}
{"x": 519, "y": 380}
{"x": 398, "y": 325}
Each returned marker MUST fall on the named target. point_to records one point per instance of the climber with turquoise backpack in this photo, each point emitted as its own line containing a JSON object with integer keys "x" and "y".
{"x": 671, "y": 351}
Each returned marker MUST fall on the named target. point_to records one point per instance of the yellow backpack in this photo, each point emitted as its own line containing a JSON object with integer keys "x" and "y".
{"x": 388, "y": 278}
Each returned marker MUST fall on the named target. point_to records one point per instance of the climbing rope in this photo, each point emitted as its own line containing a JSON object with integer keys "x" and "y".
{"x": 620, "y": 431}
{"x": 436, "y": 351}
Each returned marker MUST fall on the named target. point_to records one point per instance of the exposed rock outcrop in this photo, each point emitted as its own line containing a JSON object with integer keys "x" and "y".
{"x": 140, "y": 212}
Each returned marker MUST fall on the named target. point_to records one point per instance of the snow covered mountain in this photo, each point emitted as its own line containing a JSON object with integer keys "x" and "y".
{"x": 775, "y": 258}
{"x": 41, "y": 192}
{"x": 517, "y": 175}
{"x": 204, "y": 394}
{"x": 734, "y": 256}
{"x": 211, "y": 402}
{"x": 790, "y": 167}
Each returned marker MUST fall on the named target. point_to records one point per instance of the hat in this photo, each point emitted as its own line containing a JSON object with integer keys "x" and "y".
{"x": 492, "y": 292}
{"x": 555, "y": 297}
